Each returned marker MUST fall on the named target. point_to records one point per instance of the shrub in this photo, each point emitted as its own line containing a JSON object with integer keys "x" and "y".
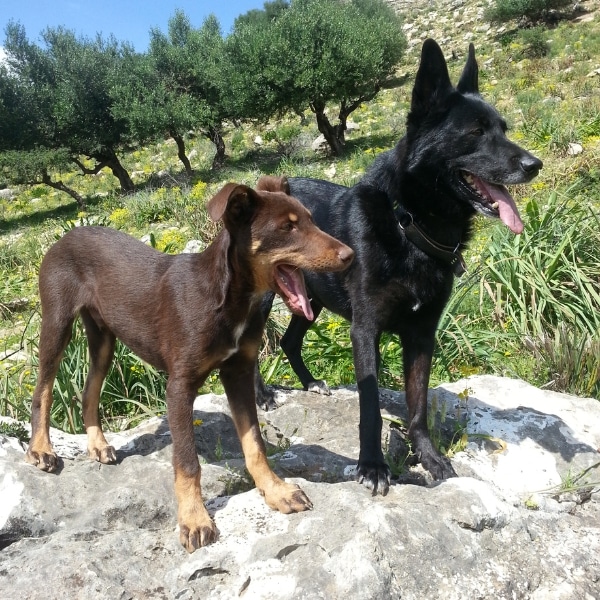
{"x": 530, "y": 10}
{"x": 536, "y": 42}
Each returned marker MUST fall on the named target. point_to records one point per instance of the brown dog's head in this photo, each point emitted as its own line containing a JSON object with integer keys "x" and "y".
{"x": 278, "y": 236}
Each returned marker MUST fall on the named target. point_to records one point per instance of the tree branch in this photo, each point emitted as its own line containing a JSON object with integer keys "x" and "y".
{"x": 99, "y": 166}
{"x": 59, "y": 185}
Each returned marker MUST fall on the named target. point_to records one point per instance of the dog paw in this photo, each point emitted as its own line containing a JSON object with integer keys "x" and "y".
{"x": 196, "y": 536}
{"x": 439, "y": 466}
{"x": 319, "y": 387}
{"x": 288, "y": 498}
{"x": 374, "y": 476}
{"x": 265, "y": 399}
{"x": 45, "y": 461}
{"x": 105, "y": 455}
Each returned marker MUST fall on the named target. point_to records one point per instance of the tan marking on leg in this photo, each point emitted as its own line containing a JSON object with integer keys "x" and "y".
{"x": 98, "y": 448}
{"x": 40, "y": 452}
{"x": 279, "y": 495}
{"x": 196, "y": 528}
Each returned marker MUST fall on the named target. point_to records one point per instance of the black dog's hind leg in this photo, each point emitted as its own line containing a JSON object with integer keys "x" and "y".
{"x": 372, "y": 470}
{"x": 418, "y": 353}
{"x": 291, "y": 344}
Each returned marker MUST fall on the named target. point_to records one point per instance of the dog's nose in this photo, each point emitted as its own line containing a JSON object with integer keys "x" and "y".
{"x": 346, "y": 254}
{"x": 531, "y": 164}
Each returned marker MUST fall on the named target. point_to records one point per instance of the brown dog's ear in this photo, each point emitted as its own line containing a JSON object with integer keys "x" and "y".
{"x": 235, "y": 201}
{"x": 217, "y": 204}
{"x": 270, "y": 183}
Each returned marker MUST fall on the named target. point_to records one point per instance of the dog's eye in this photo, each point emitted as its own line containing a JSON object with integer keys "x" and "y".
{"x": 289, "y": 226}
{"x": 477, "y": 132}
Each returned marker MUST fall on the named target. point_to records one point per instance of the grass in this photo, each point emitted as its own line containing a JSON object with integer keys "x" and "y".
{"x": 528, "y": 308}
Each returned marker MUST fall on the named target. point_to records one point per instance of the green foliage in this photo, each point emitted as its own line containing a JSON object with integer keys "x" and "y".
{"x": 32, "y": 166}
{"x": 536, "y": 42}
{"x": 533, "y": 10}
{"x": 144, "y": 100}
{"x": 270, "y": 12}
{"x": 286, "y": 136}
{"x": 315, "y": 52}
{"x": 15, "y": 430}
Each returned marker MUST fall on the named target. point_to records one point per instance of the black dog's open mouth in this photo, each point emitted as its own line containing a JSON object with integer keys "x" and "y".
{"x": 292, "y": 289}
{"x": 493, "y": 200}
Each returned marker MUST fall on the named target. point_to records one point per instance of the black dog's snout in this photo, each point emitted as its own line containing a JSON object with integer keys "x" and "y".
{"x": 531, "y": 165}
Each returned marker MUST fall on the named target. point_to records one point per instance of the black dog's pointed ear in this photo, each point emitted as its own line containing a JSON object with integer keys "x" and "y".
{"x": 234, "y": 203}
{"x": 469, "y": 80}
{"x": 432, "y": 82}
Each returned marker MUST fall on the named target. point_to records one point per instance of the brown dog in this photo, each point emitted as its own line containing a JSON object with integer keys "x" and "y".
{"x": 186, "y": 314}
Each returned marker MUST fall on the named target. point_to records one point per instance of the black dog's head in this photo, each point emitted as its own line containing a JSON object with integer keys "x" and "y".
{"x": 457, "y": 142}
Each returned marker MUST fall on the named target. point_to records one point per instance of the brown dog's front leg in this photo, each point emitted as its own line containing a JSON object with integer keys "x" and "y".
{"x": 237, "y": 376}
{"x": 196, "y": 528}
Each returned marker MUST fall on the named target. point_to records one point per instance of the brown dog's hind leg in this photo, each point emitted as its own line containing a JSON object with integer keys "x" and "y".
{"x": 102, "y": 346}
{"x": 196, "y": 528}
{"x": 54, "y": 337}
{"x": 238, "y": 380}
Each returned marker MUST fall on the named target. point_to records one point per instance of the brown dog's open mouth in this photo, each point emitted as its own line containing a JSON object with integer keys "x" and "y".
{"x": 290, "y": 281}
{"x": 494, "y": 200}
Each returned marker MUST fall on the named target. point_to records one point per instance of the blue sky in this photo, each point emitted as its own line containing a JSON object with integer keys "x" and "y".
{"x": 128, "y": 20}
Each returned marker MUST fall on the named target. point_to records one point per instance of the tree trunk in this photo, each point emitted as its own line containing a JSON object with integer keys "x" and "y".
{"x": 215, "y": 136}
{"x": 60, "y": 186}
{"x": 110, "y": 159}
{"x": 334, "y": 135}
{"x": 181, "y": 153}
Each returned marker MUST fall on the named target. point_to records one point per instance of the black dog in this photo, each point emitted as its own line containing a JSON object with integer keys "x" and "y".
{"x": 408, "y": 221}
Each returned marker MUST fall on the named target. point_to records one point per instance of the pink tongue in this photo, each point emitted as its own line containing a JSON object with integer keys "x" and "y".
{"x": 293, "y": 290}
{"x": 509, "y": 213}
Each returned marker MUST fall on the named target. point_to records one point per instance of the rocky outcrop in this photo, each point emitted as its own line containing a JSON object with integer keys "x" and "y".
{"x": 521, "y": 521}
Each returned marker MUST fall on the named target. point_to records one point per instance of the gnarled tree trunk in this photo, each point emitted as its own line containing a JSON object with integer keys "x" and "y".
{"x": 215, "y": 135}
{"x": 181, "y": 152}
{"x": 335, "y": 135}
{"x": 109, "y": 159}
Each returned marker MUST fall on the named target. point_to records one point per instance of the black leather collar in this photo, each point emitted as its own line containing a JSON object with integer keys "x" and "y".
{"x": 448, "y": 254}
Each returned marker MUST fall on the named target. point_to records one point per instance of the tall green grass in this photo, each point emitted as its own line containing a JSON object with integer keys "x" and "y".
{"x": 132, "y": 389}
{"x": 549, "y": 276}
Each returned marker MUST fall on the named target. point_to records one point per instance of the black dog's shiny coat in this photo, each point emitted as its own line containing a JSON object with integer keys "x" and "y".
{"x": 452, "y": 163}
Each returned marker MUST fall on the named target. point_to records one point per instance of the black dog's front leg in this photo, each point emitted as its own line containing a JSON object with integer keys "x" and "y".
{"x": 265, "y": 397}
{"x": 418, "y": 354}
{"x": 372, "y": 470}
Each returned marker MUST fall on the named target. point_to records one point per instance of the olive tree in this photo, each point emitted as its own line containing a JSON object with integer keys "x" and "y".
{"x": 312, "y": 54}
{"x": 189, "y": 62}
{"x": 66, "y": 90}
